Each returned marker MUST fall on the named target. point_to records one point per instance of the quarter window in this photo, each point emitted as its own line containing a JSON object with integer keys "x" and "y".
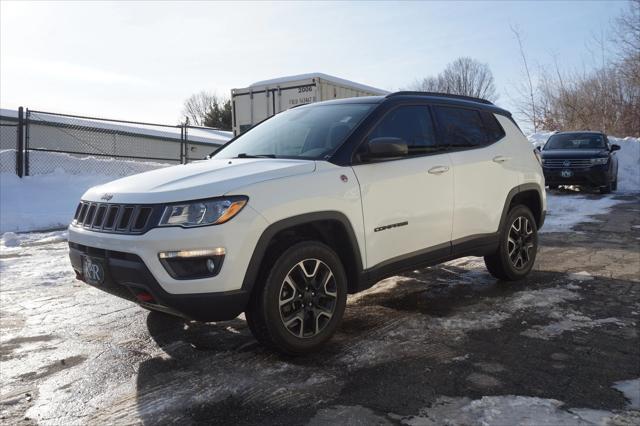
{"x": 461, "y": 127}
{"x": 413, "y": 125}
{"x": 495, "y": 132}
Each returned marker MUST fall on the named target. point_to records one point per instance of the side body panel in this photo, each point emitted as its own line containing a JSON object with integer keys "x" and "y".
{"x": 405, "y": 208}
{"x": 483, "y": 178}
{"x": 524, "y": 162}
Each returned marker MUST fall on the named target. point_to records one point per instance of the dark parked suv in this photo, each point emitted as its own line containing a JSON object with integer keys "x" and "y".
{"x": 580, "y": 158}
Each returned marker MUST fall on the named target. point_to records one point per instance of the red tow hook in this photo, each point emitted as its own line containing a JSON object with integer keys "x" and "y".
{"x": 143, "y": 296}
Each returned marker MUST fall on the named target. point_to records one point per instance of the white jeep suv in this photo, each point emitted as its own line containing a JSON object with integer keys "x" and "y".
{"x": 314, "y": 203}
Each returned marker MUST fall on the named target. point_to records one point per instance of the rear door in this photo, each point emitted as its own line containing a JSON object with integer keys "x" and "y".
{"x": 407, "y": 204}
{"x": 483, "y": 165}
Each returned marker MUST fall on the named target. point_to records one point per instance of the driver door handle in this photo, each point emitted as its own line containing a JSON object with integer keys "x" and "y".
{"x": 438, "y": 170}
{"x": 501, "y": 159}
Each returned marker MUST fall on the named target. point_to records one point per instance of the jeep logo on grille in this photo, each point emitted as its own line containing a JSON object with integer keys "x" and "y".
{"x": 567, "y": 163}
{"x": 106, "y": 196}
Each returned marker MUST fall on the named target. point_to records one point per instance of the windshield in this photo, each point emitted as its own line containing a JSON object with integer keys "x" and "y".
{"x": 575, "y": 141}
{"x": 310, "y": 132}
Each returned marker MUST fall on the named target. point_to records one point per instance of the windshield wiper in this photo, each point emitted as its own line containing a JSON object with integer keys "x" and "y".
{"x": 244, "y": 155}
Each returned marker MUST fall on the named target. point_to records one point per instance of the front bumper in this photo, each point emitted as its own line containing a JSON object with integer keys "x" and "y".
{"x": 592, "y": 176}
{"x": 132, "y": 264}
{"x": 126, "y": 276}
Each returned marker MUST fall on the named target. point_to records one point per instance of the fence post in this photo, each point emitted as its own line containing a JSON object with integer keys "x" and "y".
{"x": 186, "y": 144}
{"x": 26, "y": 142}
{"x": 19, "y": 143}
{"x": 182, "y": 144}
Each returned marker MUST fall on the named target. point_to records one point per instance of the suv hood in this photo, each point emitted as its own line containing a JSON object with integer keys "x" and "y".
{"x": 574, "y": 153}
{"x": 202, "y": 179}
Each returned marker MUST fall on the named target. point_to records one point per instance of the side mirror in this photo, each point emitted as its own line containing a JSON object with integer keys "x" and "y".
{"x": 539, "y": 148}
{"x": 386, "y": 147}
{"x": 615, "y": 147}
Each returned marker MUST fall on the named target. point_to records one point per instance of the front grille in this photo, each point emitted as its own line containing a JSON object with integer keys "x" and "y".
{"x": 116, "y": 218}
{"x": 568, "y": 163}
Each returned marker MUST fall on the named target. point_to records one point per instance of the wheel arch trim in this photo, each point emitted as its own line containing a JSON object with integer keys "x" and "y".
{"x": 526, "y": 187}
{"x": 260, "y": 250}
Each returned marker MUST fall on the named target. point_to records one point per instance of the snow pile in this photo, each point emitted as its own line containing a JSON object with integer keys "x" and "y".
{"x": 539, "y": 139}
{"x": 628, "y": 164}
{"x": 57, "y": 162}
{"x": 48, "y": 201}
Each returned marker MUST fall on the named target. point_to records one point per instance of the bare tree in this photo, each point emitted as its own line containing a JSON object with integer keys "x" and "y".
{"x": 197, "y": 106}
{"x": 208, "y": 109}
{"x": 528, "y": 107}
{"x": 628, "y": 30}
{"x": 464, "y": 76}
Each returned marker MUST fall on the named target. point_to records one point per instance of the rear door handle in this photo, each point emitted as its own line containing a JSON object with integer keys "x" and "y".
{"x": 501, "y": 159}
{"x": 438, "y": 170}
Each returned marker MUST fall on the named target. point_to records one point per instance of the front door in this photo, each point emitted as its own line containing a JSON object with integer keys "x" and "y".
{"x": 407, "y": 203}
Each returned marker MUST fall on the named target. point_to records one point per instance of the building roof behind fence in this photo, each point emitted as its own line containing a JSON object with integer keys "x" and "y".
{"x": 195, "y": 134}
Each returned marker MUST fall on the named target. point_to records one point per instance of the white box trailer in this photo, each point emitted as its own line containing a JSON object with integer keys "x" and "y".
{"x": 265, "y": 98}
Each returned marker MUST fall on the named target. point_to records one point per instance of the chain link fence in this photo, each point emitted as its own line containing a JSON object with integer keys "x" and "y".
{"x": 40, "y": 142}
{"x": 8, "y": 149}
{"x": 115, "y": 148}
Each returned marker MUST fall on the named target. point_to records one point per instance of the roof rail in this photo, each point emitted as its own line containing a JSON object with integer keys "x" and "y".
{"x": 440, "y": 95}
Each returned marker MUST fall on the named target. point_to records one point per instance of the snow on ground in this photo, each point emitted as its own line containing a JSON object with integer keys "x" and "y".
{"x": 48, "y": 201}
{"x": 510, "y": 410}
{"x": 390, "y": 336}
{"x": 566, "y": 210}
{"x": 631, "y": 391}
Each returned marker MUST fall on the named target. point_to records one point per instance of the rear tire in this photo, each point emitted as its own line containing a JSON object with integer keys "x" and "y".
{"x": 299, "y": 303}
{"x": 518, "y": 247}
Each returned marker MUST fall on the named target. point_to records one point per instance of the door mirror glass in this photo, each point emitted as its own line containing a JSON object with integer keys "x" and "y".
{"x": 386, "y": 147}
{"x": 615, "y": 147}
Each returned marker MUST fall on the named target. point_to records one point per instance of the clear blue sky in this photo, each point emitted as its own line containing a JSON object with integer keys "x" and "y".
{"x": 139, "y": 61}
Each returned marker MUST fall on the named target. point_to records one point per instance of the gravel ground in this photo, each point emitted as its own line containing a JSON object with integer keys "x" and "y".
{"x": 442, "y": 345}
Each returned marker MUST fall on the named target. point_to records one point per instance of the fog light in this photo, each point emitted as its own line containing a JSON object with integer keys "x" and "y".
{"x": 211, "y": 265}
{"x": 192, "y": 264}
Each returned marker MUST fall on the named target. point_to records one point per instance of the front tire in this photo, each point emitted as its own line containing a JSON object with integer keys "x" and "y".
{"x": 518, "y": 247}
{"x": 606, "y": 189}
{"x": 301, "y": 299}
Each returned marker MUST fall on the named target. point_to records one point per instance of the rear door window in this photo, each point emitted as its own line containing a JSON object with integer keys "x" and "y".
{"x": 460, "y": 127}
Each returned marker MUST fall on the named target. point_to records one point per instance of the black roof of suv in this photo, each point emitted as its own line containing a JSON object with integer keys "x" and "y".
{"x": 430, "y": 97}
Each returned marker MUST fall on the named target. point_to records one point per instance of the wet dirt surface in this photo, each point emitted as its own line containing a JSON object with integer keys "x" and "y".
{"x": 443, "y": 344}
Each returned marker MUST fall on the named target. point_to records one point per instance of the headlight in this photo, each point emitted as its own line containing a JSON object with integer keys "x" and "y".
{"x": 596, "y": 161}
{"x": 202, "y": 212}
